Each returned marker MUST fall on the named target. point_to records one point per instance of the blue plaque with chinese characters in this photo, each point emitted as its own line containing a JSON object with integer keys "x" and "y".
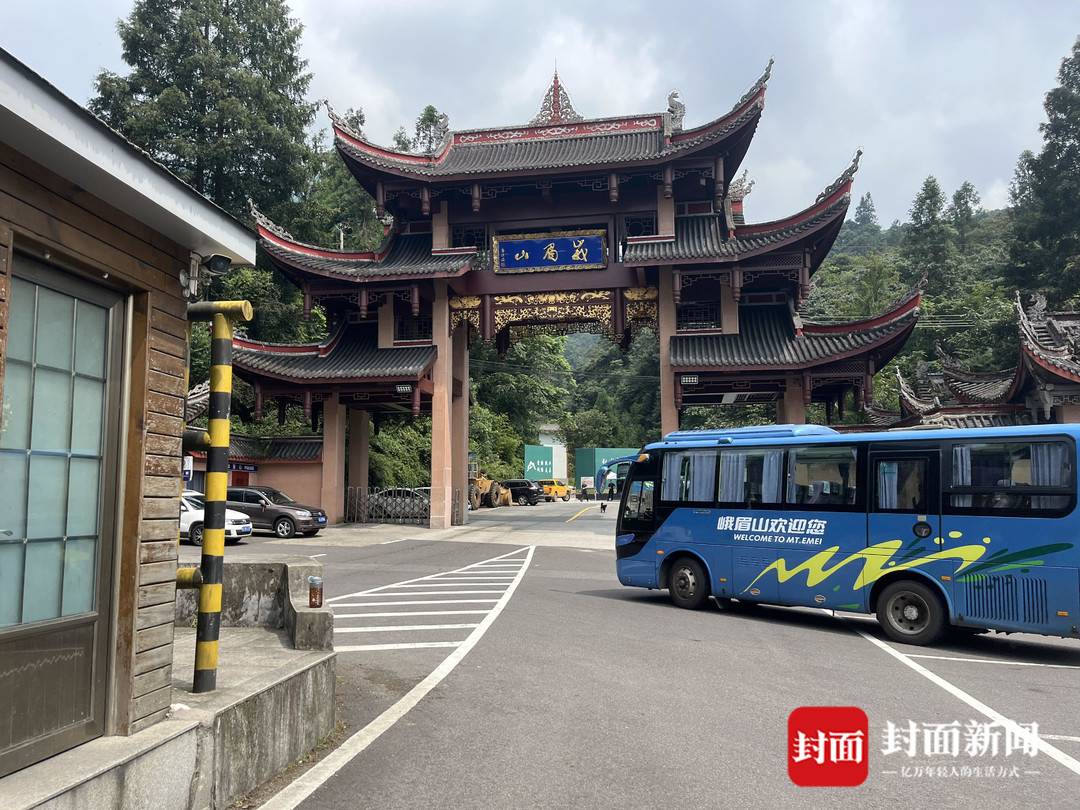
{"x": 538, "y": 252}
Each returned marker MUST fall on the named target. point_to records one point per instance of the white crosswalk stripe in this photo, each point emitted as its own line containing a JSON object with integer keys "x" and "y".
{"x": 478, "y": 588}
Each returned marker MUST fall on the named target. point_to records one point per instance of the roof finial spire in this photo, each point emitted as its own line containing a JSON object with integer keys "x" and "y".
{"x": 556, "y": 107}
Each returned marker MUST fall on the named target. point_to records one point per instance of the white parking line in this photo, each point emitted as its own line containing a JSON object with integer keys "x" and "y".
{"x": 994, "y": 661}
{"x": 416, "y": 645}
{"x": 517, "y": 564}
{"x": 430, "y": 584}
{"x": 1033, "y": 740}
{"x": 420, "y": 602}
{"x": 393, "y": 628}
{"x": 309, "y": 782}
{"x": 430, "y": 593}
{"x": 407, "y": 613}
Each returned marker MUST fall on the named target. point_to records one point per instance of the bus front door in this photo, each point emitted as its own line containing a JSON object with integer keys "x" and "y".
{"x": 904, "y": 521}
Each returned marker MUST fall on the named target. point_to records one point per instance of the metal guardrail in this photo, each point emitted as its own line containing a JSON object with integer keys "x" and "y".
{"x": 402, "y": 505}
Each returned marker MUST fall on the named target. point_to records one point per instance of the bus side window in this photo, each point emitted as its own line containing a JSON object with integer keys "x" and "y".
{"x": 822, "y": 475}
{"x": 750, "y": 477}
{"x": 689, "y": 476}
{"x": 901, "y": 485}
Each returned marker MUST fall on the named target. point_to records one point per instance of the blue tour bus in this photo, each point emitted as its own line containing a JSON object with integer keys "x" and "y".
{"x": 972, "y": 528}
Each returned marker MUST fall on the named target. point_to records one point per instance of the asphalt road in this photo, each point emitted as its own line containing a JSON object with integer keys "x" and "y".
{"x": 572, "y": 690}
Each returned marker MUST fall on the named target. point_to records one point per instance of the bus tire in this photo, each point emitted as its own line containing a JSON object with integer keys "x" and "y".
{"x": 688, "y": 585}
{"x": 911, "y": 613}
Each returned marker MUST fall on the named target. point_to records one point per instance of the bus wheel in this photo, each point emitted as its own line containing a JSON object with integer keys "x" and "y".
{"x": 687, "y": 583}
{"x": 911, "y": 613}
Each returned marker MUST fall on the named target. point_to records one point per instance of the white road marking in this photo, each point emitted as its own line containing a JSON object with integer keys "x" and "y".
{"x": 416, "y": 645}
{"x": 316, "y": 556}
{"x": 994, "y": 661}
{"x": 388, "y": 542}
{"x": 391, "y": 628}
{"x": 309, "y": 782}
{"x": 515, "y": 563}
{"x": 431, "y": 593}
{"x": 449, "y": 584}
{"x": 420, "y": 602}
{"x": 1059, "y": 737}
{"x": 405, "y": 613}
{"x": 1033, "y": 740}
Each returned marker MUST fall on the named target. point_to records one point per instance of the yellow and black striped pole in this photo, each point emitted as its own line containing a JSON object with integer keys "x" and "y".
{"x": 208, "y": 626}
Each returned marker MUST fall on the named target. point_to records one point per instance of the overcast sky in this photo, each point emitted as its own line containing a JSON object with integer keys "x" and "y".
{"x": 952, "y": 89}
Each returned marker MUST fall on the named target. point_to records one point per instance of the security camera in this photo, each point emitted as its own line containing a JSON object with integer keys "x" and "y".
{"x": 217, "y": 264}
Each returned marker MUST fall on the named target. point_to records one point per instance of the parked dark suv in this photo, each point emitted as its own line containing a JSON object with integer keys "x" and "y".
{"x": 269, "y": 508}
{"x": 524, "y": 492}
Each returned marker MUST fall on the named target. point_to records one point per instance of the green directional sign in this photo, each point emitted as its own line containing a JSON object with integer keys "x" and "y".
{"x": 539, "y": 462}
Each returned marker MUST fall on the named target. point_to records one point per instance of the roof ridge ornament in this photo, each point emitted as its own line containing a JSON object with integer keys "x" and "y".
{"x": 740, "y": 187}
{"x": 845, "y": 177}
{"x": 556, "y": 108}
{"x": 755, "y": 88}
{"x": 1037, "y": 313}
{"x": 263, "y": 221}
{"x": 339, "y": 121}
{"x": 676, "y": 110}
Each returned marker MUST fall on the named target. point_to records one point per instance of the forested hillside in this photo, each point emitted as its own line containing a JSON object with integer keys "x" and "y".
{"x": 218, "y": 93}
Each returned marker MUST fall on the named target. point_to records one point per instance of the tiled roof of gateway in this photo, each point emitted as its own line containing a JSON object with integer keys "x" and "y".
{"x": 700, "y": 237}
{"x": 553, "y": 143}
{"x": 400, "y": 256}
{"x": 767, "y": 338}
{"x": 273, "y": 448}
{"x": 351, "y": 353}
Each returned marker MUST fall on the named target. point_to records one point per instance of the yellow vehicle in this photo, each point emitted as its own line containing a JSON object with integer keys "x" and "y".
{"x": 554, "y": 489}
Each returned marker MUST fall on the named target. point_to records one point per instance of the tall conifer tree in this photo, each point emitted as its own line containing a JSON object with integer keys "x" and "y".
{"x": 216, "y": 94}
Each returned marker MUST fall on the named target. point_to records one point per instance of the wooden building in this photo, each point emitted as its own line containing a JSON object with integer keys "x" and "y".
{"x": 94, "y": 236}
{"x": 563, "y": 224}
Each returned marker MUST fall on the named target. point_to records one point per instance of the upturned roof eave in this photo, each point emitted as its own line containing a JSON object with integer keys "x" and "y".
{"x": 887, "y": 346}
{"x": 299, "y": 272}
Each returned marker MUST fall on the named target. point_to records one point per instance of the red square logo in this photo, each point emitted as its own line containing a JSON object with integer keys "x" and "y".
{"x": 827, "y": 746}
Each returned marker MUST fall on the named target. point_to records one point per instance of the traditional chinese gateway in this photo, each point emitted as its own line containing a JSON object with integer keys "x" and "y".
{"x": 562, "y": 225}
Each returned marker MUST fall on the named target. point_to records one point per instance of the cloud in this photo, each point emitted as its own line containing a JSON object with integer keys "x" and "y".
{"x": 952, "y": 89}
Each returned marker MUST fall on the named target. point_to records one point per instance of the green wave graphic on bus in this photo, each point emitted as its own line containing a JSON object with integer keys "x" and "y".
{"x": 884, "y": 558}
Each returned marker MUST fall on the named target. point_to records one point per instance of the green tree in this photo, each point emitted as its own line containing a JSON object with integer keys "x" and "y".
{"x": 1045, "y": 214}
{"x": 216, "y": 94}
{"x": 528, "y": 385}
{"x": 965, "y": 205}
{"x": 928, "y": 241}
{"x": 865, "y": 212}
{"x": 332, "y": 201}
{"x": 427, "y": 136}
{"x": 402, "y": 141}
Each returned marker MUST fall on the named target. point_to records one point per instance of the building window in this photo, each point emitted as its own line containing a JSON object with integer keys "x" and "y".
{"x": 697, "y": 316}
{"x": 407, "y": 327}
{"x": 468, "y": 236}
{"x": 59, "y": 423}
{"x": 51, "y": 450}
{"x": 639, "y": 224}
